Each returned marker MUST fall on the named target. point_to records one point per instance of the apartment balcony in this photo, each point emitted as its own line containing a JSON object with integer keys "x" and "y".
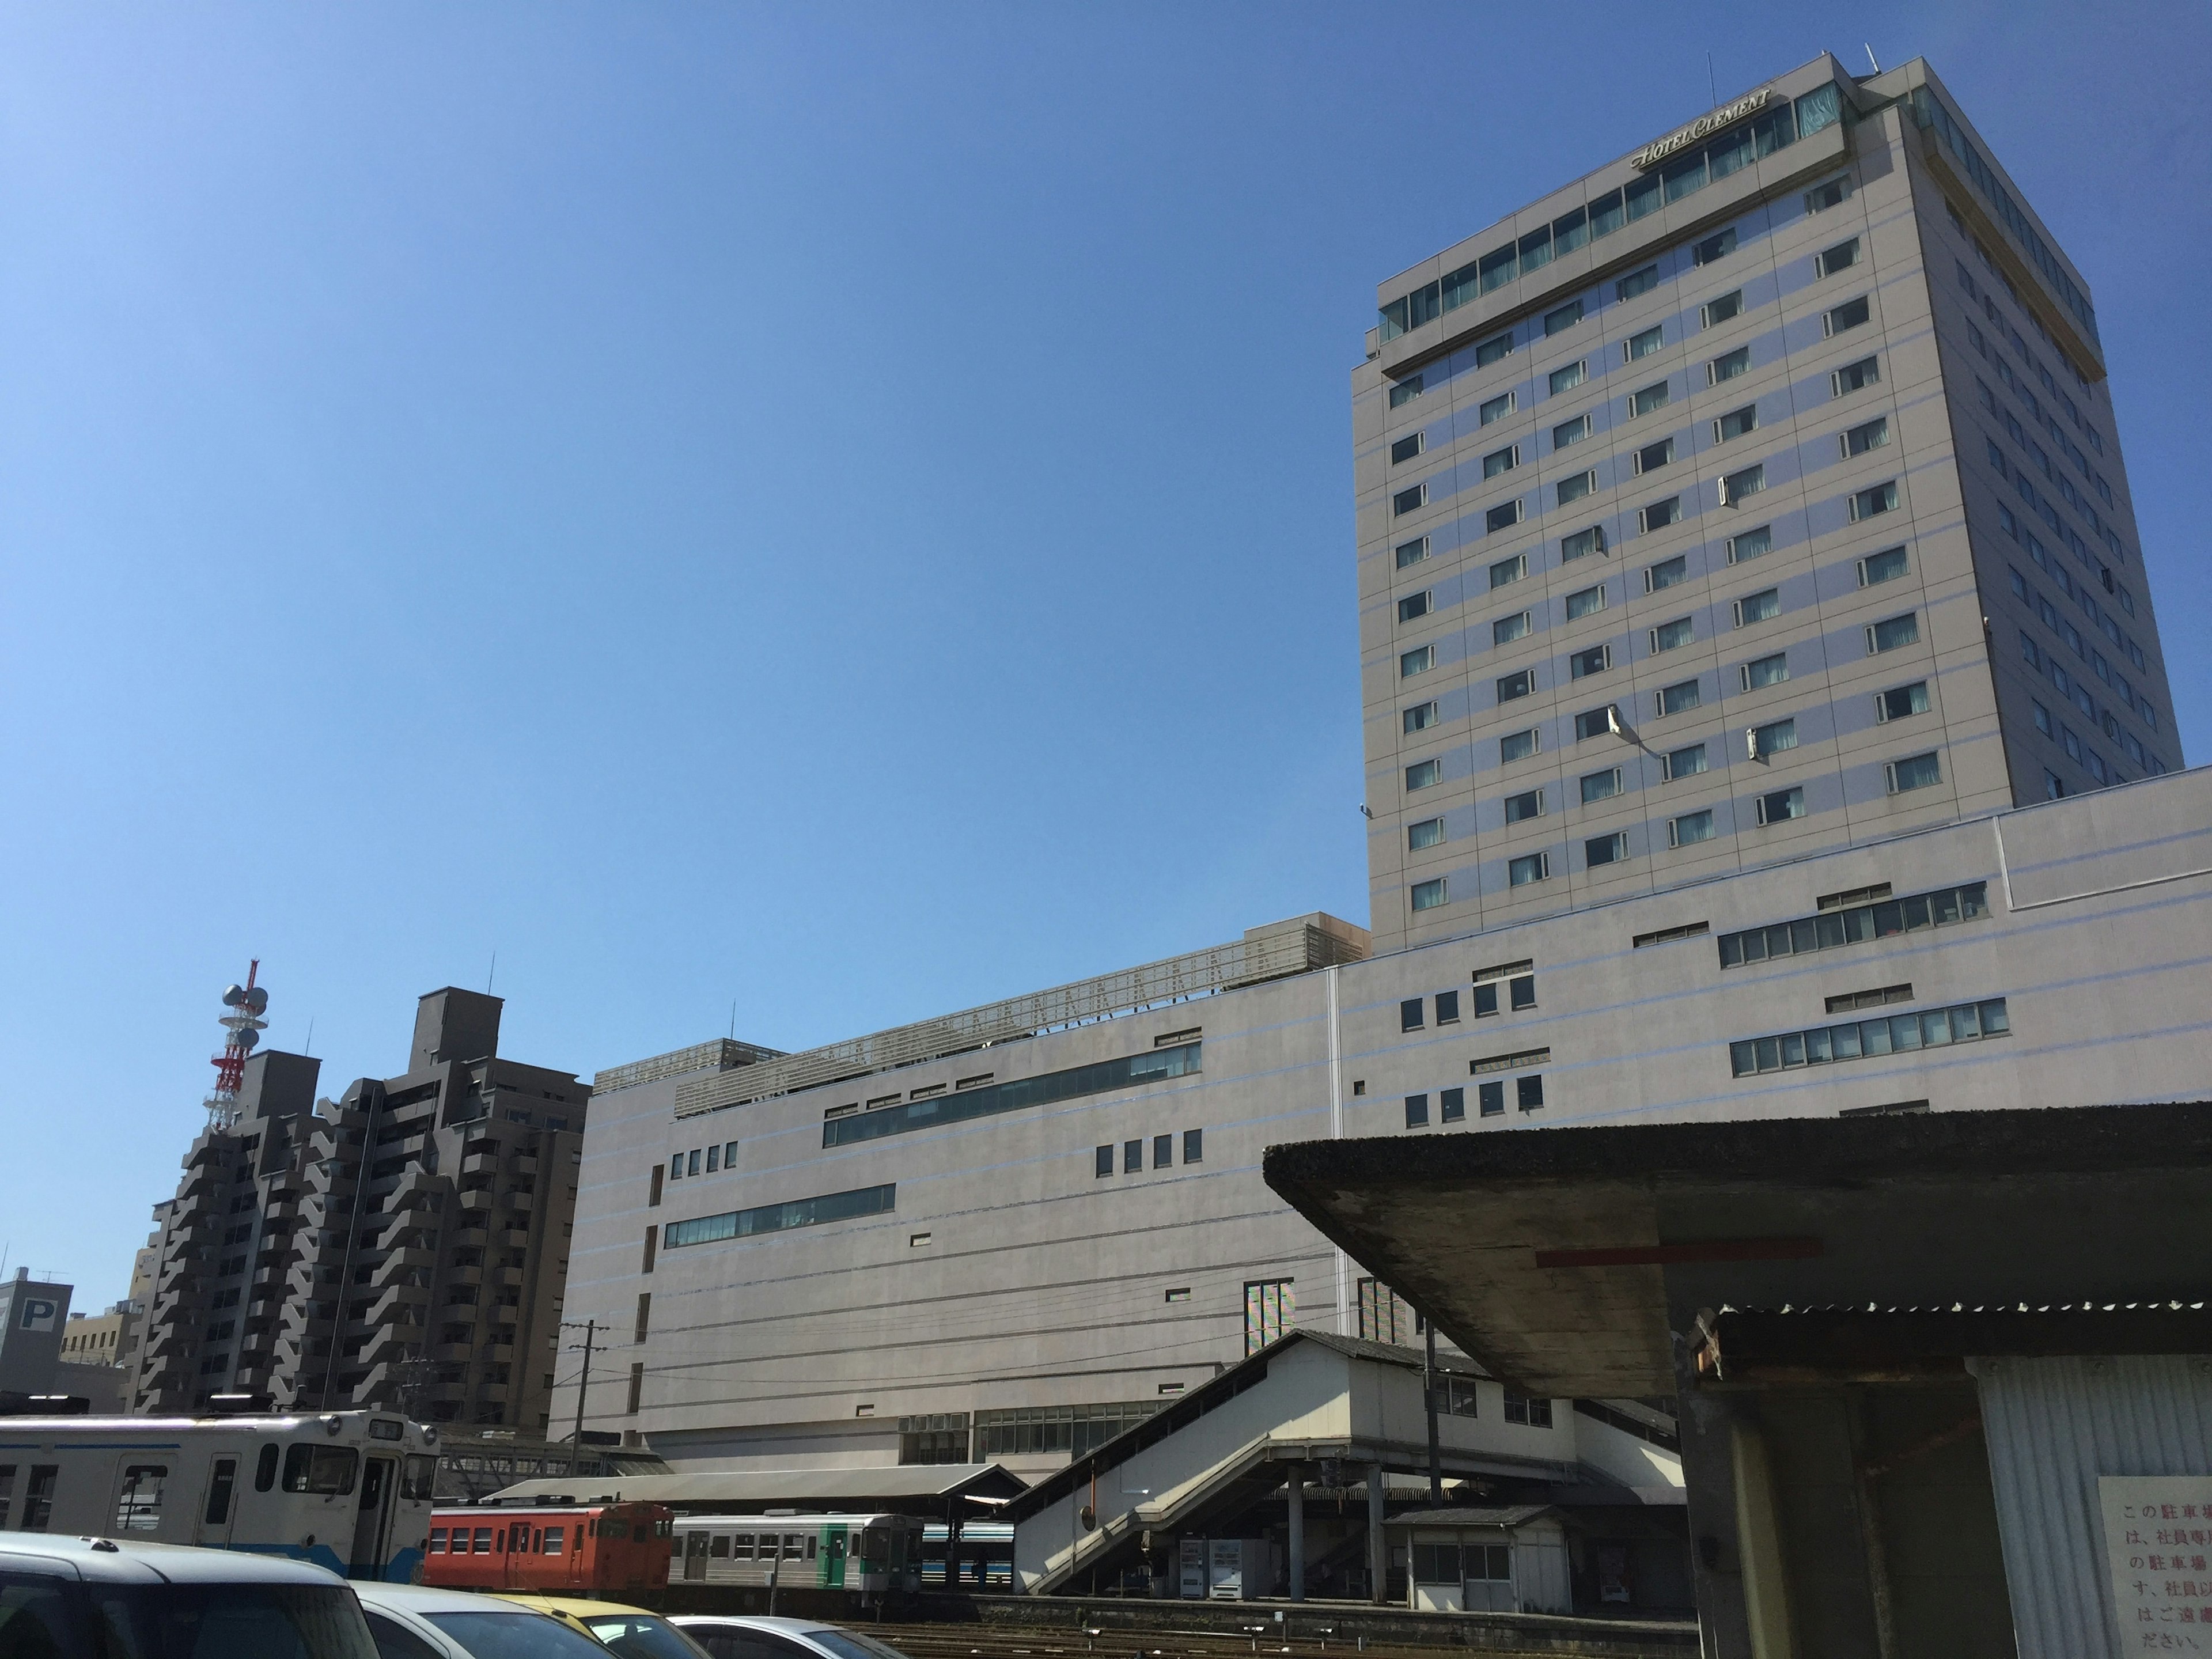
{"x": 476, "y": 1203}
{"x": 408, "y": 1259}
{"x": 480, "y": 1163}
{"x": 454, "y": 1353}
{"x": 469, "y": 1275}
{"x": 492, "y": 1394}
{"x": 515, "y": 1239}
{"x": 521, "y": 1203}
{"x": 507, "y": 1313}
{"x": 509, "y": 1277}
{"x": 526, "y": 1166}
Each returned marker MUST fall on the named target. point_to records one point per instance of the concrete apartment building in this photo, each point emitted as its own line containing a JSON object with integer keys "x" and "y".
{"x": 404, "y": 1245}
{"x": 1758, "y": 492}
{"x": 1009, "y": 1233}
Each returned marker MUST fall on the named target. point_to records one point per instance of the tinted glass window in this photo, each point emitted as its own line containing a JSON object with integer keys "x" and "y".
{"x": 516, "y": 1636}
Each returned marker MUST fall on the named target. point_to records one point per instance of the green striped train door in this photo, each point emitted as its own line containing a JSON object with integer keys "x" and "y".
{"x": 833, "y": 1557}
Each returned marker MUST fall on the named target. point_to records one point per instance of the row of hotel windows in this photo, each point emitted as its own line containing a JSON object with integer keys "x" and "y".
{"x": 1020, "y": 1431}
{"x": 1643, "y": 343}
{"x": 2101, "y": 619}
{"x": 1854, "y": 918}
{"x": 1749, "y": 611}
{"x": 1771, "y": 807}
{"x": 1648, "y": 400}
{"x": 1451, "y": 1103}
{"x": 1603, "y": 215}
{"x": 1519, "y": 990}
{"x": 1163, "y": 1149}
{"x": 1870, "y": 1039}
{"x": 2117, "y": 682}
{"x": 2043, "y": 420}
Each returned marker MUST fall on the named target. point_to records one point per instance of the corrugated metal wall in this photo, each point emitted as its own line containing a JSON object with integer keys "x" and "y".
{"x": 2053, "y": 1426}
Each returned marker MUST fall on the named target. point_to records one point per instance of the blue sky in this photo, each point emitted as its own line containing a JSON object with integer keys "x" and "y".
{"x": 839, "y": 511}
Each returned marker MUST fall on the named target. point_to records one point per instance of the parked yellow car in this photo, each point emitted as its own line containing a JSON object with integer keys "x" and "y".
{"x": 630, "y": 1631}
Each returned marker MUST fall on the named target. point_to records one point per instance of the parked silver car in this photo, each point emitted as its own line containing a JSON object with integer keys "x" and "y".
{"x": 105, "y": 1598}
{"x": 733, "y": 1636}
{"x": 414, "y": 1622}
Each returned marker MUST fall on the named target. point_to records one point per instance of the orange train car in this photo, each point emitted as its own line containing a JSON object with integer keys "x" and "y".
{"x": 564, "y": 1549}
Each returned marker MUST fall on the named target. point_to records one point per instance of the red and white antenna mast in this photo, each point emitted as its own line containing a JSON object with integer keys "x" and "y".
{"x": 246, "y": 1003}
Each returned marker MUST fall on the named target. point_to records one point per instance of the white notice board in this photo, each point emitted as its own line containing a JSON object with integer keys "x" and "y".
{"x": 2158, "y": 1547}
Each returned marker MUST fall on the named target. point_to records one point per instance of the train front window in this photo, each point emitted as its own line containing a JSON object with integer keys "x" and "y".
{"x": 326, "y": 1469}
{"x": 418, "y": 1477}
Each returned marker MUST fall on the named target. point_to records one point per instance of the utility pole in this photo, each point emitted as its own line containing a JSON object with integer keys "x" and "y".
{"x": 1429, "y": 1397}
{"x": 584, "y": 1382}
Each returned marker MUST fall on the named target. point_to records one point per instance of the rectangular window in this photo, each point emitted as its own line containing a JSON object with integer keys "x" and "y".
{"x": 1671, "y": 635}
{"x": 1872, "y": 503}
{"x": 1194, "y": 1146}
{"x": 1677, "y": 699}
{"x": 1659, "y": 514}
{"x": 1429, "y": 832}
{"x": 1908, "y": 700}
{"x": 1765, "y": 671}
{"x": 1452, "y": 1104}
{"x": 1823, "y": 1045}
{"x": 1596, "y": 660}
{"x": 1410, "y": 501}
{"x": 1516, "y": 746}
{"x": 1686, "y": 762}
{"x": 1567, "y": 379}
{"x": 1915, "y": 772}
{"x": 1726, "y": 308}
{"x": 1594, "y": 723}
{"x": 1691, "y": 828}
{"x": 1420, "y": 774}
{"x": 1606, "y": 215}
{"x": 1528, "y": 1096}
{"x": 1587, "y": 601}
{"x": 1417, "y": 661}
{"x": 1529, "y": 868}
{"x": 1648, "y": 401}
{"x": 1521, "y": 807}
{"x": 1103, "y": 1161}
{"x": 1773, "y": 739}
{"x": 1492, "y": 350}
{"x": 1667, "y": 573}
{"x": 1562, "y": 317}
{"x": 1405, "y": 390}
{"x": 1568, "y": 433}
{"x": 1855, "y": 377}
{"x": 1573, "y": 489}
{"x": 1651, "y": 456}
{"x": 1636, "y": 283}
{"x": 1270, "y": 1310}
{"x": 1501, "y": 517}
{"x": 1497, "y": 407}
{"x": 1419, "y": 718}
{"x": 1718, "y": 246}
{"x": 1506, "y": 630}
{"x": 1501, "y": 460}
{"x": 1751, "y": 544}
{"x": 1417, "y": 1111}
{"x": 1842, "y": 257}
{"x": 1568, "y": 232}
{"x": 1780, "y": 806}
{"x": 1736, "y": 423}
{"x": 691, "y": 1164}
{"x": 2042, "y": 714}
{"x": 1429, "y": 894}
{"x": 1737, "y": 487}
{"x": 1728, "y": 366}
{"x": 1492, "y": 1096}
{"x": 1874, "y": 435}
{"x": 1413, "y": 552}
{"x": 1512, "y": 686}
{"x": 1885, "y": 565}
{"x": 1605, "y": 849}
{"x": 1762, "y": 606}
{"x": 1132, "y": 1157}
{"x": 1600, "y": 786}
{"x": 1582, "y": 543}
{"x": 1834, "y": 193}
{"x": 1852, "y": 313}
{"x": 1408, "y": 448}
{"x": 796, "y": 1213}
{"x": 1411, "y": 1014}
{"x": 1640, "y": 345}
{"x": 1414, "y": 606}
{"x": 1892, "y": 632}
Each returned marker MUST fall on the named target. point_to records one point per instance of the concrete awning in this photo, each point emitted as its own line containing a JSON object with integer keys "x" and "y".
{"x": 750, "y": 1490}
{"x": 1565, "y": 1259}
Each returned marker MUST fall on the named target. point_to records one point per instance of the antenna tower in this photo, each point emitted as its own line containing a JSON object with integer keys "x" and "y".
{"x": 246, "y": 1004}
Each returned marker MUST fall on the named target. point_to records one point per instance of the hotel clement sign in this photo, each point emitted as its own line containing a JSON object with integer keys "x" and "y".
{"x": 1660, "y": 148}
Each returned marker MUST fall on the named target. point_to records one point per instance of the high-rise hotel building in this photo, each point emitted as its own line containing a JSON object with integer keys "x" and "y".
{"x": 1757, "y": 494}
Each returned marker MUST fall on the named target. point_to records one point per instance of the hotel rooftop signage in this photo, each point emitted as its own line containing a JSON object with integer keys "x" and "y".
{"x": 1660, "y": 148}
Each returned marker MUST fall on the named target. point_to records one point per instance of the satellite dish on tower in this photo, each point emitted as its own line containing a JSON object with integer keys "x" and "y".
{"x": 257, "y": 1000}
{"x": 234, "y": 996}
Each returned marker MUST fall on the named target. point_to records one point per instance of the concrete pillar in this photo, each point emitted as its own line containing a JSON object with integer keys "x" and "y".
{"x": 1296, "y": 1489}
{"x": 1759, "y": 1545}
{"x": 1378, "y": 1551}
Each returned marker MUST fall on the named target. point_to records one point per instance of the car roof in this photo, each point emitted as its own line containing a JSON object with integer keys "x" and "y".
{"x": 130, "y": 1561}
{"x": 756, "y": 1622}
{"x": 580, "y": 1606}
{"x": 424, "y": 1598}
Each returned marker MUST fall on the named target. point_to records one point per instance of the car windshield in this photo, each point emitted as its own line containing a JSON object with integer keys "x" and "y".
{"x": 515, "y": 1635}
{"x": 851, "y": 1645}
{"x": 640, "y": 1636}
{"x": 230, "y": 1621}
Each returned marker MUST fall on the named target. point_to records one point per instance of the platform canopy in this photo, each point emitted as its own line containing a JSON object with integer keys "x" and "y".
{"x": 1575, "y": 1261}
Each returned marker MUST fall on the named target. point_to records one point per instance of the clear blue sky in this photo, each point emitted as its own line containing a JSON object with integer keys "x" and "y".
{"x": 841, "y": 510}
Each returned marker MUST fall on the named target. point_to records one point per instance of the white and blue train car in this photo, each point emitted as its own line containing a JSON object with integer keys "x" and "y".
{"x": 350, "y": 1491}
